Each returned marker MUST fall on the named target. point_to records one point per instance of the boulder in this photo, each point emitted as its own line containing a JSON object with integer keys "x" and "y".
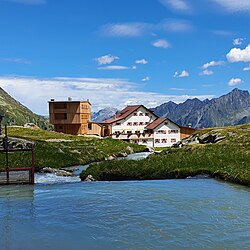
{"x": 130, "y": 150}
{"x": 121, "y": 154}
{"x": 210, "y": 138}
{"x": 48, "y": 170}
{"x": 31, "y": 126}
{"x": 90, "y": 178}
{"x": 111, "y": 158}
{"x": 63, "y": 173}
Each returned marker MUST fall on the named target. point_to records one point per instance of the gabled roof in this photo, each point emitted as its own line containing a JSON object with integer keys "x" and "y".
{"x": 158, "y": 122}
{"x": 125, "y": 113}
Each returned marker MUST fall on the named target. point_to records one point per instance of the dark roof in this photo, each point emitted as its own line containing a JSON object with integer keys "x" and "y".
{"x": 69, "y": 102}
{"x": 155, "y": 123}
{"x": 159, "y": 121}
{"x": 125, "y": 113}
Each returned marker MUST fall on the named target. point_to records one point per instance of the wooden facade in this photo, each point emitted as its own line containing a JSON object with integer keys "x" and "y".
{"x": 186, "y": 132}
{"x": 73, "y": 117}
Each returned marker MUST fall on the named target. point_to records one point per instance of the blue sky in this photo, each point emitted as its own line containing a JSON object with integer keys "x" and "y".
{"x": 118, "y": 53}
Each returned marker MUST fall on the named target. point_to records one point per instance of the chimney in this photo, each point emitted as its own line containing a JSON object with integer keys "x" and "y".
{"x": 189, "y": 125}
{"x": 52, "y": 100}
{"x": 69, "y": 99}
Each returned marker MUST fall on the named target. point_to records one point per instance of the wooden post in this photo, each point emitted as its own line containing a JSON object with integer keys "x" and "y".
{"x": 32, "y": 180}
{"x": 6, "y": 147}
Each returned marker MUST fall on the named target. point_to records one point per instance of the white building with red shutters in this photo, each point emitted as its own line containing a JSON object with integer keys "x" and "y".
{"x": 137, "y": 124}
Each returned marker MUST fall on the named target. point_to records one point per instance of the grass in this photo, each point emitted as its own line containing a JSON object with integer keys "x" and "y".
{"x": 228, "y": 160}
{"x": 72, "y": 150}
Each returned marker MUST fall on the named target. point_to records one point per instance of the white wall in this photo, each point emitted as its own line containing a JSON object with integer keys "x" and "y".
{"x": 124, "y": 127}
{"x": 171, "y": 138}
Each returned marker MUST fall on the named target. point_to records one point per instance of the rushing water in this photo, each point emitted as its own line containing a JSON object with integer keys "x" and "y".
{"x": 168, "y": 214}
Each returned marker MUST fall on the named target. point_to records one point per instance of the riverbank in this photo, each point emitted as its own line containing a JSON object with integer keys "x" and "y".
{"x": 59, "y": 150}
{"x": 228, "y": 159}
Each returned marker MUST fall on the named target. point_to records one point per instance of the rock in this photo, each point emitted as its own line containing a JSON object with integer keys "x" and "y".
{"x": 130, "y": 150}
{"x": 60, "y": 151}
{"x": 17, "y": 143}
{"x": 90, "y": 178}
{"x": 210, "y": 138}
{"x": 48, "y": 170}
{"x": 63, "y": 173}
{"x": 121, "y": 154}
{"x": 70, "y": 169}
{"x": 149, "y": 149}
{"x": 31, "y": 126}
{"x": 111, "y": 158}
{"x": 219, "y": 138}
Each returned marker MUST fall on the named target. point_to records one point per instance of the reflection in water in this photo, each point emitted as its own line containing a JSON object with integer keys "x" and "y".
{"x": 15, "y": 201}
{"x": 167, "y": 214}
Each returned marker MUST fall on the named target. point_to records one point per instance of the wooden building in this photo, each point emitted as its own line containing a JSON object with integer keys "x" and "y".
{"x": 73, "y": 117}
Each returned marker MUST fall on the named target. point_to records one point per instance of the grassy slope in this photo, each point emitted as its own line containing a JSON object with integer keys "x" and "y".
{"x": 18, "y": 114}
{"x": 228, "y": 160}
{"x": 79, "y": 150}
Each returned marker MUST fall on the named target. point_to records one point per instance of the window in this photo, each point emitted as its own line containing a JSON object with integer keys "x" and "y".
{"x": 144, "y": 141}
{"x": 141, "y": 123}
{"x": 118, "y": 123}
{"x": 146, "y": 123}
{"x": 129, "y": 123}
{"x": 163, "y": 140}
{"x": 146, "y": 114}
{"x": 157, "y": 140}
{"x": 173, "y": 131}
{"x": 61, "y": 116}
{"x": 135, "y": 124}
{"x": 129, "y": 132}
{"x": 140, "y": 114}
{"x": 173, "y": 140}
{"x": 84, "y": 106}
{"x": 60, "y": 105}
{"x": 135, "y": 114}
{"x": 90, "y": 126}
{"x": 161, "y": 132}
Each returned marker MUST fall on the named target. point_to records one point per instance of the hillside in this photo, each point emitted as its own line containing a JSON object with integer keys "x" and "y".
{"x": 227, "y": 159}
{"x": 59, "y": 150}
{"x": 18, "y": 114}
{"x": 230, "y": 109}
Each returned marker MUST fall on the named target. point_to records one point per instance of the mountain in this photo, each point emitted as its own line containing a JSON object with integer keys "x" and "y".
{"x": 230, "y": 109}
{"x": 103, "y": 114}
{"x": 17, "y": 114}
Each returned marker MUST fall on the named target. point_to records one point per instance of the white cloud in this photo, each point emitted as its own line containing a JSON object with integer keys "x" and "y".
{"x": 114, "y": 67}
{"x": 212, "y": 64}
{"x": 16, "y": 60}
{"x": 145, "y": 79}
{"x": 184, "y": 73}
{"x": 125, "y": 29}
{"x": 28, "y": 2}
{"x": 161, "y": 43}
{"x": 175, "y": 25}
{"x": 179, "y": 5}
{"x": 223, "y": 32}
{"x": 239, "y": 55}
{"x": 234, "y": 81}
{"x": 238, "y": 41}
{"x": 234, "y": 5}
{"x": 107, "y": 59}
{"x": 207, "y": 72}
{"x": 141, "y": 61}
{"x": 140, "y": 29}
{"x": 134, "y": 67}
{"x": 102, "y": 92}
{"x": 247, "y": 68}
